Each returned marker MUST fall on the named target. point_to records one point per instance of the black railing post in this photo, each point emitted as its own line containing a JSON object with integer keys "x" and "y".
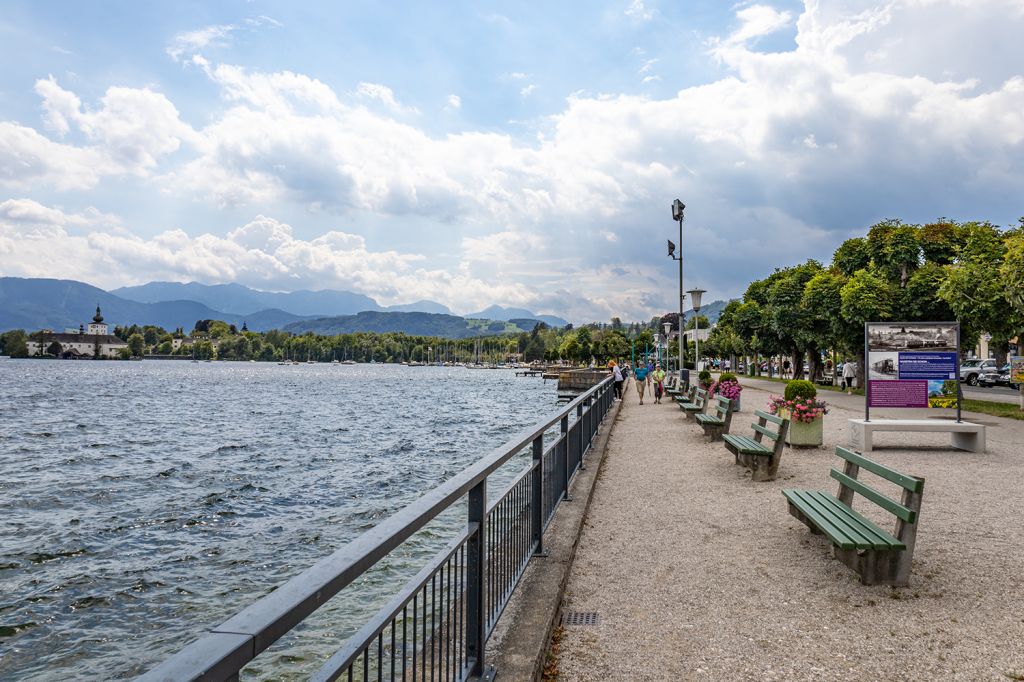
{"x": 579, "y": 435}
{"x": 563, "y": 453}
{"x": 537, "y": 503}
{"x": 476, "y": 566}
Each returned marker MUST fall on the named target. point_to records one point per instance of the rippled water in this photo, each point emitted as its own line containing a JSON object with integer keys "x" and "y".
{"x": 141, "y": 502}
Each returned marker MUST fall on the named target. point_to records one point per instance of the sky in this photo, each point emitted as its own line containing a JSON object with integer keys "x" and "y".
{"x": 521, "y": 154}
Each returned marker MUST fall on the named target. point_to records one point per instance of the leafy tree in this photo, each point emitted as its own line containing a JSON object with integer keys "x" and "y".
{"x": 865, "y": 298}
{"x": 136, "y": 345}
{"x": 15, "y": 343}
{"x": 895, "y": 249}
{"x": 852, "y": 255}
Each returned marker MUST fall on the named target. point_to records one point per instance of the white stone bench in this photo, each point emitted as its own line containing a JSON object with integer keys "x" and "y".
{"x": 966, "y": 436}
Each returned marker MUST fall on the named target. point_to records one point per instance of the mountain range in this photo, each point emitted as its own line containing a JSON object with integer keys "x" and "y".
{"x": 37, "y": 303}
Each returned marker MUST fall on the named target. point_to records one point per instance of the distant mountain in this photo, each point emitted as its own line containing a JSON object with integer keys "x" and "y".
{"x": 420, "y": 307}
{"x": 241, "y": 300}
{"x": 57, "y": 304}
{"x": 712, "y": 311}
{"x": 497, "y": 312}
{"x": 419, "y": 324}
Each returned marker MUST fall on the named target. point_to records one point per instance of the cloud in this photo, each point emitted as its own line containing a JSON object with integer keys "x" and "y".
{"x": 188, "y": 43}
{"x": 528, "y": 90}
{"x": 453, "y": 102}
{"x": 847, "y": 127}
{"x": 637, "y": 10}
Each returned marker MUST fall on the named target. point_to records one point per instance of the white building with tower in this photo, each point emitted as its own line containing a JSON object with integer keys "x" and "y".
{"x": 86, "y": 343}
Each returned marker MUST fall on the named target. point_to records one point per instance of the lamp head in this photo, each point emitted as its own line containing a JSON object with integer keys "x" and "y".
{"x": 677, "y": 210}
{"x": 695, "y": 295}
{"x": 671, "y": 249}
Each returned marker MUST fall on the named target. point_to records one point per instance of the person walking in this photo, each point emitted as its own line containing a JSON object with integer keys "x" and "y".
{"x": 642, "y": 380}
{"x": 658, "y": 379}
{"x": 849, "y": 376}
{"x": 617, "y": 373}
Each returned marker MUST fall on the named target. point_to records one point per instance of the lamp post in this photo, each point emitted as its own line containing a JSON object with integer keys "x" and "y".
{"x": 695, "y": 295}
{"x": 668, "y": 328}
{"x": 677, "y": 214}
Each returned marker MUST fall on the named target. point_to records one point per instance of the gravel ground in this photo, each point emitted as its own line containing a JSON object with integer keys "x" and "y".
{"x": 699, "y": 573}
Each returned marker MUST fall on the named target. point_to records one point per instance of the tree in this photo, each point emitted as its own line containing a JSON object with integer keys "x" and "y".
{"x": 55, "y": 349}
{"x": 852, "y": 255}
{"x": 865, "y": 298}
{"x": 14, "y": 343}
{"x": 895, "y": 249}
{"x": 136, "y": 345}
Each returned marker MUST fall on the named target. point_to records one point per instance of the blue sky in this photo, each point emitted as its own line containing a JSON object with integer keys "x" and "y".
{"x": 478, "y": 153}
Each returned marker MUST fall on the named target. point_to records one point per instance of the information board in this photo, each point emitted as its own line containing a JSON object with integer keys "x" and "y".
{"x": 912, "y": 364}
{"x": 1017, "y": 370}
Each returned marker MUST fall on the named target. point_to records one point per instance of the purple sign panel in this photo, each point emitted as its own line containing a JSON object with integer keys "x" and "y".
{"x": 898, "y": 393}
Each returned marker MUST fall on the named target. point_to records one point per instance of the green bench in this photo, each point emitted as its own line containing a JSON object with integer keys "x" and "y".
{"x": 753, "y": 454}
{"x": 880, "y": 557}
{"x": 716, "y": 424}
{"x": 672, "y": 386}
{"x": 695, "y": 406}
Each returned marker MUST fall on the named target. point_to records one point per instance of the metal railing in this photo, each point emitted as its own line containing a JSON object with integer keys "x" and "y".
{"x": 437, "y": 626}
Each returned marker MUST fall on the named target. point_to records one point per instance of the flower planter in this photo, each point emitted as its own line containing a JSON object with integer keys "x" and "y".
{"x": 804, "y": 434}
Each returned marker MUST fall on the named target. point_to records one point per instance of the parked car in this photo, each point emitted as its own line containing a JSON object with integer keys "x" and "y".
{"x": 997, "y": 377}
{"x": 971, "y": 370}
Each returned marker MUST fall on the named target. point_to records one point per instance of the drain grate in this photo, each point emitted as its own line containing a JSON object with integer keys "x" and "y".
{"x": 570, "y": 618}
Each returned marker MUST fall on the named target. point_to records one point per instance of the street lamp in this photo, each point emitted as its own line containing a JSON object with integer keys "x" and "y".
{"x": 668, "y": 328}
{"x": 695, "y": 295}
{"x": 677, "y": 215}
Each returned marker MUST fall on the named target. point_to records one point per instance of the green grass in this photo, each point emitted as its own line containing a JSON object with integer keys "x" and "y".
{"x": 856, "y": 391}
{"x": 1008, "y": 410}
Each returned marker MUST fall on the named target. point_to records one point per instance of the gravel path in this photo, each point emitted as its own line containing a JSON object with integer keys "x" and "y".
{"x": 699, "y": 573}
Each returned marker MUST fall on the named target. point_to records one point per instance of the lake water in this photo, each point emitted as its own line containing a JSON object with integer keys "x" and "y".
{"x": 141, "y": 502}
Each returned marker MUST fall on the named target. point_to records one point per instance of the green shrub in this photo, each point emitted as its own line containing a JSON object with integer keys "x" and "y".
{"x": 800, "y": 389}
{"x": 704, "y": 377}
{"x": 727, "y": 376}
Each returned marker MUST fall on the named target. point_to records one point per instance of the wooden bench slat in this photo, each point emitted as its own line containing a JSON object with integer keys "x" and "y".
{"x": 769, "y": 417}
{"x": 747, "y": 445}
{"x": 873, "y": 535}
{"x": 804, "y": 501}
{"x": 889, "y": 504}
{"x": 851, "y": 526}
{"x": 907, "y": 482}
{"x": 763, "y": 430}
{"x": 708, "y": 419}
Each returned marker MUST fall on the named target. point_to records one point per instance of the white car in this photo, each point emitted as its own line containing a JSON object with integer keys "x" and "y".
{"x": 970, "y": 370}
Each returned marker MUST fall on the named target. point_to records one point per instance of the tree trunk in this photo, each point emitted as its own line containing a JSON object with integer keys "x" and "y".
{"x": 861, "y": 370}
{"x": 797, "y": 358}
{"x": 813, "y": 364}
{"x": 1002, "y": 350}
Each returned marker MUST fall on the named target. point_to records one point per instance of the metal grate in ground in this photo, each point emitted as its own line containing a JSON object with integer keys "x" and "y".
{"x": 571, "y": 618}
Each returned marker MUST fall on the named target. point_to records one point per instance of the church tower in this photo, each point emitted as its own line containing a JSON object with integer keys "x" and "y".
{"x": 97, "y": 326}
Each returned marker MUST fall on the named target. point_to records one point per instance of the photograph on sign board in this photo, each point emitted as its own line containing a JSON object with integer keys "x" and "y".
{"x": 1017, "y": 370}
{"x": 942, "y": 393}
{"x": 924, "y": 336}
{"x": 883, "y": 366}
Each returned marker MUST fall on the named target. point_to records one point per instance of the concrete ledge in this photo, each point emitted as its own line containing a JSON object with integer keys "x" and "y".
{"x": 518, "y": 646}
{"x": 965, "y": 435}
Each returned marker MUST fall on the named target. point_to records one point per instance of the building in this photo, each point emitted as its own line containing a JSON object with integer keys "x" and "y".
{"x": 97, "y": 340}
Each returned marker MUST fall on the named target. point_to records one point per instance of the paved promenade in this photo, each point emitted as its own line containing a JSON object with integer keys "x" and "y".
{"x": 698, "y": 573}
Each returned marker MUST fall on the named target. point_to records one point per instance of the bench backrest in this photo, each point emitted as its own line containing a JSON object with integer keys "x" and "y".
{"x": 906, "y": 510}
{"x": 723, "y": 406}
{"x": 763, "y": 430}
{"x": 701, "y": 397}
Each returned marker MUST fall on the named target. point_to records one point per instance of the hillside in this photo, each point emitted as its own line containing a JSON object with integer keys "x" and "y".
{"x": 60, "y": 303}
{"x": 497, "y": 312}
{"x": 418, "y": 324}
{"x": 235, "y": 299}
